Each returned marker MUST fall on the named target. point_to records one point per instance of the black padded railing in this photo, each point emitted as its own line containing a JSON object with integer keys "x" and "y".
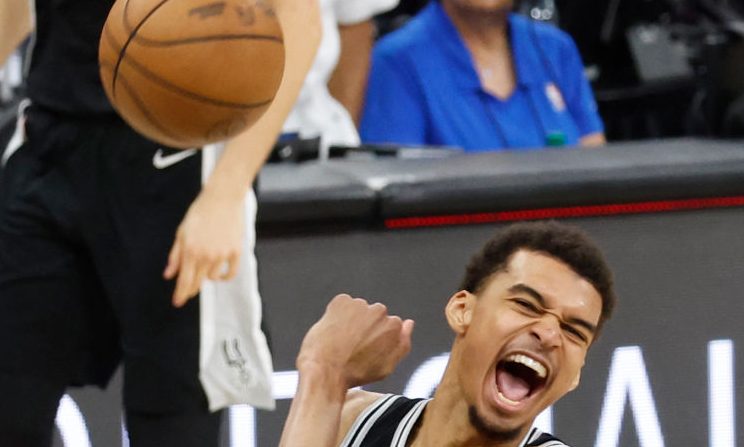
{"x": 369, "y": 191}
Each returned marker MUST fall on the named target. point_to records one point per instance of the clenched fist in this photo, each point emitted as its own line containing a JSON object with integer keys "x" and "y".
{"x": 356, "y": 340}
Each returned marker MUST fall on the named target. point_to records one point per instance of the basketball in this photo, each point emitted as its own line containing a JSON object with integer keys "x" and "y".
{"x": 186, "y": 73}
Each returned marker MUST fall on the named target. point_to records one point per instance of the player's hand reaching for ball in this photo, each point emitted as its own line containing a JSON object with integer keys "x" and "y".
{"x": 356, "y": 341}
{"x": 208, "y": 243}
{"x": 209, "y": 240}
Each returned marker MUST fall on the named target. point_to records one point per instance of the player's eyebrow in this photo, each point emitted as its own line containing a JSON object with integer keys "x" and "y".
{"x": 583, "y": 323}
{"x": 524, "y": 288}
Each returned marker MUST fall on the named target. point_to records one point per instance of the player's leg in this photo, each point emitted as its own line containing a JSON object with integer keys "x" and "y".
{"x": 43, "y": 291}
{"x": 182, "y": 429}
{"x": 28, "y": 410}
{"x": 145, "y": 201}
{"x": 165, "y": 403}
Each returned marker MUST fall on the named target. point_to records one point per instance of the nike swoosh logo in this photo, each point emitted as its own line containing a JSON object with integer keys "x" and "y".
{"x": 161, "y": 161}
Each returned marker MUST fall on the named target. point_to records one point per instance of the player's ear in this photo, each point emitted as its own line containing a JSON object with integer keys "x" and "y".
{"x": 459, "y": 311}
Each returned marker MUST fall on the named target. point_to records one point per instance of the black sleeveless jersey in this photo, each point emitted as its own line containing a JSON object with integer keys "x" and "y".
{"x": 390, "y": 420}
{"x": 63, "y": 71}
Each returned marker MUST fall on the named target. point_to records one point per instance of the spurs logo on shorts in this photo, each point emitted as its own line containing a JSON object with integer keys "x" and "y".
{"x": 235, "y": 359}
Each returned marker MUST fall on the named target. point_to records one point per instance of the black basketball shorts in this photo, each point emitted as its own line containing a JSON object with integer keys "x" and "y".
{"x": 88, "y": 213}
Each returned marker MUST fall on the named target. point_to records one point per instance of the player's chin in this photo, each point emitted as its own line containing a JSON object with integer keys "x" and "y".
{"x": 495, "y": 428}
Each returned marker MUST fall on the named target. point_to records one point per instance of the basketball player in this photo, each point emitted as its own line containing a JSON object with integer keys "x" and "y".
{"x": 88, "y": 214}
{"x": 532, "y": 302}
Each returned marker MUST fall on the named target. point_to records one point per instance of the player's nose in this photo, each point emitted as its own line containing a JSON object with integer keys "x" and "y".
{"x": 547, "y": 331}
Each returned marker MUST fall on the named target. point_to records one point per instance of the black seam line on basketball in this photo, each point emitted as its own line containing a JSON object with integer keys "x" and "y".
{"x": 125, "y": 16}
{"x": 219, "y": 37}
{"x": 189, "y": 94}
{"x": 129, "y": 40}
{"x": 145, "y": 112}
{"x": 111, "y": 41}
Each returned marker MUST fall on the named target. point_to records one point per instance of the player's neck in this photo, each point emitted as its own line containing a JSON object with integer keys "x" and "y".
{"x": 446, "y": 423}
{"x": 484, "y": 29}
{"x": 486, "y": 36}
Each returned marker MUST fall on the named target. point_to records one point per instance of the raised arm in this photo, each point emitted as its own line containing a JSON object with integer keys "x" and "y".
{"x": 353, "y": 344}
{"x": 211, "y": 233}
{"x": 15, "y": 25}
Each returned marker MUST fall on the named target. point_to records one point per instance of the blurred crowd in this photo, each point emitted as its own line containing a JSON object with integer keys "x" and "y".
{"x": 656, "y": 68}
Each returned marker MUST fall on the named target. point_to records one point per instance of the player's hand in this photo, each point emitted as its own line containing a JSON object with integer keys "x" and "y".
{"x": 357, "y": 340}
{"x": 208, "y": 244}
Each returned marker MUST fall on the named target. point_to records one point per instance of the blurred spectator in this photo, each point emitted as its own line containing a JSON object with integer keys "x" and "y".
{"x": 10, "y": 51}
{"x": 11, "y": 77}
{"x": 331, "y": 98}
{"x": 472, "y": 74}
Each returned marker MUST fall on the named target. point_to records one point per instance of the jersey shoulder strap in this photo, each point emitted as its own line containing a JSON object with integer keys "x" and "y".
{"x": 385, "y": 423}
{"x": 536, "y": 438}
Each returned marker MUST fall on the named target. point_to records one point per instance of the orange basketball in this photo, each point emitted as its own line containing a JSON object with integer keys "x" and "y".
{"x": 187, "y": 73}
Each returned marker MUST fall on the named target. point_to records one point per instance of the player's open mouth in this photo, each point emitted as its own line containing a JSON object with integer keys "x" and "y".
{"x": 519, "y": 377}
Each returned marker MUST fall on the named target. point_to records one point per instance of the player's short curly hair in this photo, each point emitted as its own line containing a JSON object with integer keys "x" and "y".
{"x": 564, "y": 242}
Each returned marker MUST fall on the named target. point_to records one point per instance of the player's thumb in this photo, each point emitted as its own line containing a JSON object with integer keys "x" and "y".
{"x": 405, "y": 335}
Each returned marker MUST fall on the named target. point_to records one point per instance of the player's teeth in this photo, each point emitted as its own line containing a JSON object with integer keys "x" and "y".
{"x": 530, "y": 363}
{"x": 507, "y": 400}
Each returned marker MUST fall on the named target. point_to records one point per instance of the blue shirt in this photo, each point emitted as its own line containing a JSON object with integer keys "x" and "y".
{"x": 424, "y": 89}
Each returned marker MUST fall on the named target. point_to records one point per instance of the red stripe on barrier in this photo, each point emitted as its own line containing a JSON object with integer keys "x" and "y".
{"x": 661, "y": 206}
